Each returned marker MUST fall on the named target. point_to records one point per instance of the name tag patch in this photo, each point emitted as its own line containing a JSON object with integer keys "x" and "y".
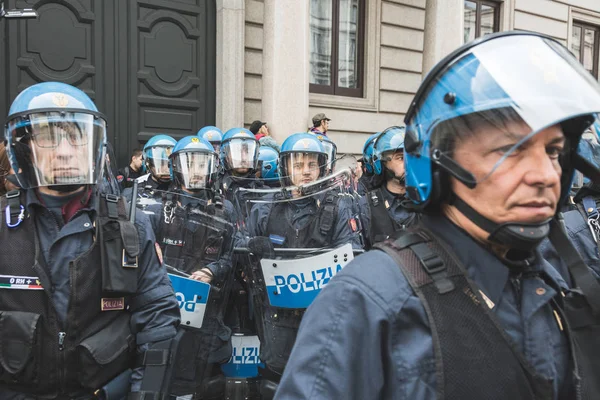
{"x": 112, "y": 304}
{"x": 20, "y": 282}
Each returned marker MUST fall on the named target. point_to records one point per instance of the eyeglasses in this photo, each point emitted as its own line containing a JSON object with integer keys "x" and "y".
{"x": 50, "y": 135}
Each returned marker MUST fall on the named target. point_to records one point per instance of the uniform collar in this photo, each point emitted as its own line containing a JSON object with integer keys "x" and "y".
{"x": 392, "y": 200}
{"x": 80, "y": 202}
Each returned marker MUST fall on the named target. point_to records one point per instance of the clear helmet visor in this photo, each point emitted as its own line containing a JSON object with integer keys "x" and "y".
{"x": 241, "y": 153}
{"x": 249, "y": 199}
{"x": 158, "y": 161}
{"x": 194, "y": 170}
{"x": 302, "y": 168}
{"x": 57, "y": 148}
{"x": 331, "y": 151}
{"x": 497, "y": 98}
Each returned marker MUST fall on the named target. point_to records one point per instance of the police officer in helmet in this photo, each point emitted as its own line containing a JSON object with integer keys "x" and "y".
{"x": 239, "y": 159}
{"x": 581, "y": 221}
{"x": 213, "y": 135}
{"x": 268, "y": 166}
{"x": 155, "y": 166}
{"x": 364, "y": 183}
{"x": 195, "y": 230}
{"x": 319, "y": 221}
{"x": 462, "y": 306}
{"x": 302, "y": 161}
{"x": 387, "y": 210}
{"x": 87, "y": 286}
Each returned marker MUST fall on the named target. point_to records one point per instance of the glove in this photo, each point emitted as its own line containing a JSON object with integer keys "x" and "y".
{"x": 262, "y": 247}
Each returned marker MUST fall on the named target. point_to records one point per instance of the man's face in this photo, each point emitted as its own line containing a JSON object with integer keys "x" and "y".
{"x": 137, "y": 162}
{"x": 304, "y": 168}
{"x": 395, "y": 162}
{"x": 60, "y": 152}
{"x": 239, "y": 156}
{"x": 324, "y": 125}
{"x": 525, "y": 188}
{"x": 198, "y": 171}
{"x": 264, "y": 130}
{"x": 159, "y": 162}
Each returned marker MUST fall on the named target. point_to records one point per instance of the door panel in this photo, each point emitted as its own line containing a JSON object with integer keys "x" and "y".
{"x": 174, "y": 68}
{"x": 148, "y": 65}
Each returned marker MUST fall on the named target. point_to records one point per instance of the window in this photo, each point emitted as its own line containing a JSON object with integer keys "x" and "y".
{"x": 336, "y": 55}
{"x": 585, "y": 44}
{"x": 481, "y": 18}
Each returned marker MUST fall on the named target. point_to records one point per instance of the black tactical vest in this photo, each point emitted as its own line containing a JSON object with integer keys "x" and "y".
{"x": 316, "y": 233}
{"x": 189, "y": 240}
{"x": 475, "y": 359}
{"x": 382, "y": 224}
{"x": 39, "y": 354}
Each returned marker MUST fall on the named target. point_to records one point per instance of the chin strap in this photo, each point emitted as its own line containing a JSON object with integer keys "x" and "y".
{"x": 524, "y": 236}
{"x": 65, "y": 188}
{"x": 389, "y": 175}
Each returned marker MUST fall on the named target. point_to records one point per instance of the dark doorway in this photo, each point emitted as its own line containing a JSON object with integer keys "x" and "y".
{"x": 148, "y": 65}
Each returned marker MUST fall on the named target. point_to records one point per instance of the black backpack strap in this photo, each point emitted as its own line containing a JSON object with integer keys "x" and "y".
{"x": 119, "y": 246}
{"x": 417, "y": 242}
{"x": 329, "y": 211}
{"x": 457, "y": 312}
{"x": 382, "y": 225}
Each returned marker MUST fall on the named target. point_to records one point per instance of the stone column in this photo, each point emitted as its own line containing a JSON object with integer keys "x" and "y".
{"x": 285, "y": 67}
{"x": 230, "y": 64}
{"x": 443, "y": 30}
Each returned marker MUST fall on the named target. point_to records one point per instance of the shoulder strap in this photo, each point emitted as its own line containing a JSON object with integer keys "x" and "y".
{"x": 427, "y": 259}
{"x": 329, "y": 210}
{"x": 382, "y": 224}
{"x": 113, "y": 208}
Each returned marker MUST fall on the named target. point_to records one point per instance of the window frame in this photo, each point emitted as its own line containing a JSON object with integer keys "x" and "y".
{"x": 595, "y": 51}
{"x": 334, "y": 89}
{"x": 497, "y": 9}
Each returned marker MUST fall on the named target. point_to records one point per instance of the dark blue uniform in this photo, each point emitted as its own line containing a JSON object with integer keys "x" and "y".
{"x": 219, "y": 268}
{"x": 148, "y": 187}
{"x": 367, "y": 335}
{"x": 395, "y": 205}
{"x": 154, "y": 310}
{"x": 581, "y": 237}
{"x": 301, "y": 212}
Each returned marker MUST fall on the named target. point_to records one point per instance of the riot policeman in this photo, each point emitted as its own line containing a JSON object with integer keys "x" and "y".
{"x": 386, "y": 209}
{"x": 364, "y": 183}
{"x": 239, "y": 159}
{"x": 87, "y": 286}
{"x": 155, "y": 166}
{"x": 462, "y": 306}
{"x": 582, "y": 221}
{"x": 195, "y": 230}
{"x": 291, "y": 219}
{"x": 267, "y": 170}
{"x": 213, "y": 135}
{"x": 302, "y": 161}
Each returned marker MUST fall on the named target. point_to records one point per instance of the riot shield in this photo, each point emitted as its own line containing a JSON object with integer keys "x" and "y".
{"x": 297, "y": 221}
{"x": 195, "y": 236}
